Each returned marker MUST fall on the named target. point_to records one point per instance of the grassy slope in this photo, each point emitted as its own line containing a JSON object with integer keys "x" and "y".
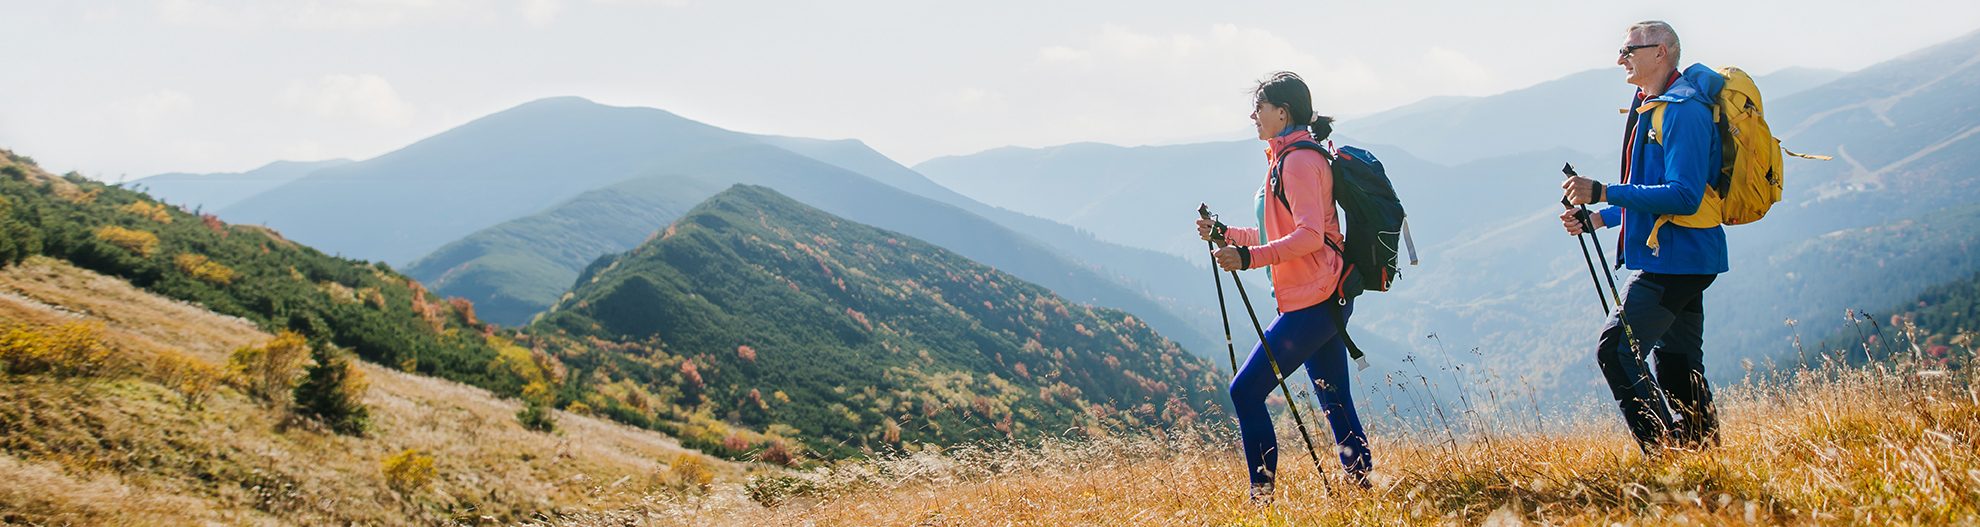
{"x": 1894, "y": 444}
{"x": 124, "y": 450}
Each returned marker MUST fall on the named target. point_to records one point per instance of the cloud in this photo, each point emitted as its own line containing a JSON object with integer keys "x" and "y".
{"x": 539, "y": 13}
{"x": 1121, "y": 85}
{"x": 324, "y": 15}
{"x": 1226, "y": 49}
{"x": 1448, "y": 71}
{"x": 149, "y": 112}
{"x": 363, "y": 98}
{"x": 96, "y": 14}
{"x": 662, "y": 3}
{"x": 197, "y": 13}
{"x": 1062, "y": 54}
{"x": 304, "y": 151}
{"x": 975, "y": 100}
{"x": 154, "y": 124}
{"x": 363, "y": 15}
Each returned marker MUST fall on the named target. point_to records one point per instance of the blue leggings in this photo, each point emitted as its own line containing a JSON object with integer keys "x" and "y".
{"x": 1308, "y": 336}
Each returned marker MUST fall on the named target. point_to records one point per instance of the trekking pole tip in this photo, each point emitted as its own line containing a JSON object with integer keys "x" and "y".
{"x": 1360, "y": 363}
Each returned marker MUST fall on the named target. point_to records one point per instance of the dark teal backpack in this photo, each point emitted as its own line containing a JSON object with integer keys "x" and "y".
{"x": 1374, "y": 225}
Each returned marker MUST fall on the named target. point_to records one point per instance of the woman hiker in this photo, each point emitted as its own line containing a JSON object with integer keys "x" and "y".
{"x": 1294, "y": 245}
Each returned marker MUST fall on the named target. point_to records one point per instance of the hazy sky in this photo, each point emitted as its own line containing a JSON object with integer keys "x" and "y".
{"x": 142, "y": 87}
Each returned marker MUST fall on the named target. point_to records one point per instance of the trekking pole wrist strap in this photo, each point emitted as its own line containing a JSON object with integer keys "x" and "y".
{"x": 1244, "y": 256}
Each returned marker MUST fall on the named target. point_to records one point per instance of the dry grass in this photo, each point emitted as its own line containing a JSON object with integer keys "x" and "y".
{"x": 1891, "y": 444}
{"x": 1882, "y": 445}
{"x": 127, "y": 449}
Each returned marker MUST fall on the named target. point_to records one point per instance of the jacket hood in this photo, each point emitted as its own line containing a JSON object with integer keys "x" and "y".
{"x": 1696, "y": 81}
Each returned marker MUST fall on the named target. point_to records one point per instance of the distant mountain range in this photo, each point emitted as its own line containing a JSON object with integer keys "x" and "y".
{"x": 1120, "y": 193}
{"x": 1573, "y": 112}
{"x": 442, "y": 208}
{"x": 1479, "y": 174}
{"x": 213, "y": 192}
{"x": 404, "y": 204}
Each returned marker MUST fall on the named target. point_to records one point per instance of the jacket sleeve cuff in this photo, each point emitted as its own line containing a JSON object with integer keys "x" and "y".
{"x": 1266, "y": 255}
{"x": 1611, "y": 216}
{"x": 1617, "y": 195}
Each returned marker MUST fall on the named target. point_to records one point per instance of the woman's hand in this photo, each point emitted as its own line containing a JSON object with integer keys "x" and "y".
{"x": 1228, "y": 259}
{"x": 1204, "y": 227}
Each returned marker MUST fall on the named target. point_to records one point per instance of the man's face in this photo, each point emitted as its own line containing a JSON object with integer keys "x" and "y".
{"x": 1642, "y": 60}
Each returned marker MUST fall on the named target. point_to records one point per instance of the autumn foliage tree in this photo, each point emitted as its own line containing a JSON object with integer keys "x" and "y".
{"x": 269, "y": 371}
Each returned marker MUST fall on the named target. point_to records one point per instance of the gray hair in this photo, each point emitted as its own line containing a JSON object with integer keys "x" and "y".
{"x": 1659, "y": 32}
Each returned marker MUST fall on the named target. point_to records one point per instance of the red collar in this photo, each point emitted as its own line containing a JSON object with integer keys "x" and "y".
{"x": 1667, "y": 86}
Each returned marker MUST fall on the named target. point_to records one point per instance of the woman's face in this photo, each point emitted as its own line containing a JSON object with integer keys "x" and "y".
{"x": 1269, "y": 119}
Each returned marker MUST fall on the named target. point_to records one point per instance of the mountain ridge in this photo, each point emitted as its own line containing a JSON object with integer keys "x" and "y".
{"x": 878, "y": 338}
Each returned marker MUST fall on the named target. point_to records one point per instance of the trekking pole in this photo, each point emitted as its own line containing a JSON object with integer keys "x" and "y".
{"x": 1568, "y": 168}
{"x": 1203, "y": 209}
{"x": 1217, "y": 239}
{"x": 1588, "y": 229}
{"x": 1583, "y": 216}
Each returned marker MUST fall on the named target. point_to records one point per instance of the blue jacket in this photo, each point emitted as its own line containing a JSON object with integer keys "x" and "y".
{"x": 1670, "y": 177}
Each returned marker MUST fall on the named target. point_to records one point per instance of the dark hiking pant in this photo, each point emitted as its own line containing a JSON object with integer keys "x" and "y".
{"x": 1310, "y": 337}
{"x": 1665, "y": 313}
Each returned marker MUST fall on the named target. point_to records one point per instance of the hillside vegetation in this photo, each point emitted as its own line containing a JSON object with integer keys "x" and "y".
{"x": 253, "y": 273}
{"x": 117, "y": 408}
{"x": 761, "y": 311}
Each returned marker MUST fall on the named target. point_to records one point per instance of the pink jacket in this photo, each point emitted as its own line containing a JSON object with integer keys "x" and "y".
{"x": 1305, "y": 271}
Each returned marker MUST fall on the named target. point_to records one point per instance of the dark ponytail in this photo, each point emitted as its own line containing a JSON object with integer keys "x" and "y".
{"x": 1285, "y": 89}
{"x": 1322, "y": 126}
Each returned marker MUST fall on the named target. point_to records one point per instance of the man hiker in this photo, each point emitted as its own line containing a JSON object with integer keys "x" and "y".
{"x": 1662, "y": 307}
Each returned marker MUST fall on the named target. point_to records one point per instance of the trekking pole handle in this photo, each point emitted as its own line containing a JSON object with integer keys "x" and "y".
{"x": 1583, "y": 212}
{"x": 1217, "y": 228}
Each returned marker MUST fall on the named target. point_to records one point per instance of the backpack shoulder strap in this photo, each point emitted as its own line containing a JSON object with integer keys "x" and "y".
{"x": 1278, "y": 185}
{"x": 1340, "y": 324}
{"x": 1654, "y": 110}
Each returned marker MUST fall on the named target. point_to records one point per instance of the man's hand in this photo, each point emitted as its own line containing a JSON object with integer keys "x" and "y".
{"x": 1203, "y": 228}
{"x": 1583, "y": 191}
{"x": 1570, "y": 221}
{"x": 1228, "y": 259}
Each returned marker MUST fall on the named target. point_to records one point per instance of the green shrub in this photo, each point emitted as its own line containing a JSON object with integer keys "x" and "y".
{"x": 332, "y": 392}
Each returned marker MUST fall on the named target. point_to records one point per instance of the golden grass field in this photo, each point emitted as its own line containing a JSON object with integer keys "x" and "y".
{"x": 1894, "y": 444}
{"x": 1887, "y": 445}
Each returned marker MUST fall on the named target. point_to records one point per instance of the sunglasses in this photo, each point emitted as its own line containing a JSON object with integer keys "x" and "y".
{"x": 1628, "y": 51}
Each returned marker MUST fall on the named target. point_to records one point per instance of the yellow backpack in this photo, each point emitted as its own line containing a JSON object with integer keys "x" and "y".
{"x": 1750, "y": 165}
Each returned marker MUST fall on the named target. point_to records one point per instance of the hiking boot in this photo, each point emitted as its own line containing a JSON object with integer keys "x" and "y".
{"x": 1261, "y": 494}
